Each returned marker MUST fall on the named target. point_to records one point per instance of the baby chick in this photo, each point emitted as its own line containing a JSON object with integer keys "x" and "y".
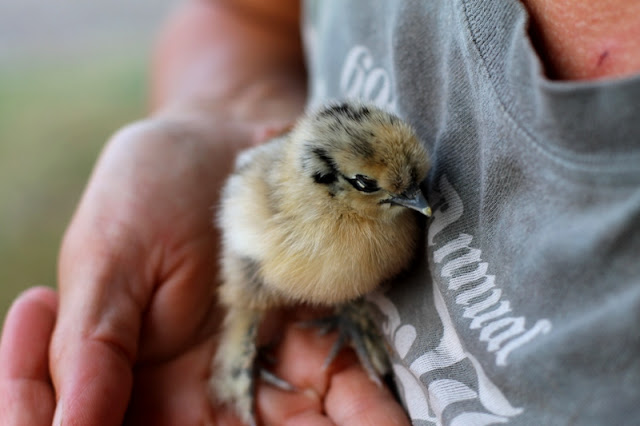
{"x": 322, "y": 216}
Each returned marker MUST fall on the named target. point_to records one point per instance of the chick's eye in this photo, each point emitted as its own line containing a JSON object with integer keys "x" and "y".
{"x": 365, "y": 184}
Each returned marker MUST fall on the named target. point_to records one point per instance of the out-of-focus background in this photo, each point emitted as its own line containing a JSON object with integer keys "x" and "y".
{"x": 71, "y": 73}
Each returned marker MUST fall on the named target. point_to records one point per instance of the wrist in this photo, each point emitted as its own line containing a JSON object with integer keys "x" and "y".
{"x": 262, "y": 102}
{"x": 234, "y": 60}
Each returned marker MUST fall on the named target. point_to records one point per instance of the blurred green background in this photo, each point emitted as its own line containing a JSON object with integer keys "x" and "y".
{"x": 71, "y": 73}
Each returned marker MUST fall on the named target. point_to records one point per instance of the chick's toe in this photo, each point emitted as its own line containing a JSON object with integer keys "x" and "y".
{"x": 356, "y": 327}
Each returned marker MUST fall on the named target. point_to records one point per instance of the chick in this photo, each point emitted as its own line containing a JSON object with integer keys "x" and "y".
{"x": 321, "y": 215}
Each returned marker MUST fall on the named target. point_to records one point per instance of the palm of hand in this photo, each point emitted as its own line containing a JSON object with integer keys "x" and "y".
{"x": 137, "y": 303}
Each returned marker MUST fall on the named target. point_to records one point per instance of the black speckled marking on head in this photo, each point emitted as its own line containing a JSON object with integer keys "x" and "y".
{"x": 360, "y": 144}
{"x": 324, "y": 156}
{"x": 324, "y": 179}
{"x": 346, "y": 118}
{"x": 330, "y": 174}
{"x": 353, "y": 112}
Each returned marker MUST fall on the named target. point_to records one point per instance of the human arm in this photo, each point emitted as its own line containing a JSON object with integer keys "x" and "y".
{"x": 137, "y": 309}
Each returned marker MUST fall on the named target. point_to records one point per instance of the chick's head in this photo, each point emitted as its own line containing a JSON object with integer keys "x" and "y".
{"x": 363, "y": 158}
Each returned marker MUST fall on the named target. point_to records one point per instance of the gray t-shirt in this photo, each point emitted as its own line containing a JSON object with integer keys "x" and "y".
{"x": 525, "y": 308}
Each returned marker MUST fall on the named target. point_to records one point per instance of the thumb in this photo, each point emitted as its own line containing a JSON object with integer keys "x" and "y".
{"x": 95, "y": 340}
{"x": 91, "y": 358}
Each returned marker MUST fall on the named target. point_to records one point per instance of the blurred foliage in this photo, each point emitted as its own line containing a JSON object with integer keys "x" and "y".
{"x": 54, "y": 119}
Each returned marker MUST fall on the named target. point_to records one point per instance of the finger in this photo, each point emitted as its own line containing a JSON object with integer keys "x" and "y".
{"x": 277, "y": 407}
{"x": 26, "y": 393}
{"x": 299, "y": 360}
{"x": 96, "y": 336}
{"x": 173, "y": 392}
{"x": 94, "y": 346}
{"x": 308, "y": 418}
{"x": 353, "y": 399}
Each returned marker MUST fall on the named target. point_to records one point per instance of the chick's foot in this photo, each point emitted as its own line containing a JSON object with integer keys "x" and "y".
{"x": 233, "y": 371}
{"x": 239, "y": 363}
{"x": 356, "y": 328}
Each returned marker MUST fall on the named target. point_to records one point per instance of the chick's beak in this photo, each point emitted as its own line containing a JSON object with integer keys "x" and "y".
{"x": 414, "y": 200}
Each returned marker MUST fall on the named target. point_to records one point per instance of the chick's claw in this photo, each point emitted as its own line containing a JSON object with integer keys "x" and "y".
{"x": 275, "y": 381}
{"x": 356, "y": 327}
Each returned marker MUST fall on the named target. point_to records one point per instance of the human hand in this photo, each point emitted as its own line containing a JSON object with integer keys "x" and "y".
{"x": 137, "y": 310}
{"x": 344, "y": 395}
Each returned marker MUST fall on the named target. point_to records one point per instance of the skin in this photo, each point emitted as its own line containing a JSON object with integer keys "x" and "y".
{"x": 580, "y": 40}
{"x": 126, "y": 337}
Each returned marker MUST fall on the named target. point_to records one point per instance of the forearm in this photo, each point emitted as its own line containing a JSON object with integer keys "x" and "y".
{"x": 230, "y": 58}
